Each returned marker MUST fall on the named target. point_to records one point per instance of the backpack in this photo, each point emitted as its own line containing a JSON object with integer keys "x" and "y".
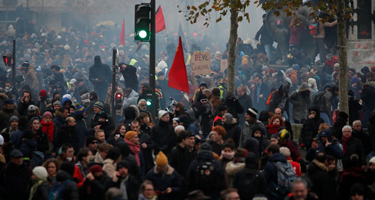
{"x": 57, "y": 190}
{"x": 205, "y": 175}
{"x": 37, "y": 158}
{"x": 314, "y": 28}
{"x": 285, "y": 178}
{"x": 319, "y": 99}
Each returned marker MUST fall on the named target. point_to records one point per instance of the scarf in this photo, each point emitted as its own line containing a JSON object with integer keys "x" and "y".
{"x": 273, "y": 129}
{"x": 35, "y": 187}
{"x": 345, "y": 145}
{"x": 228, "y": 156}
{"x": 135, "y": 149}
{"x": 48, "y": 128}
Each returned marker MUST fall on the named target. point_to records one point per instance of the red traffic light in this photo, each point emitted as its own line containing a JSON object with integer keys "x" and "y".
{"x": 6, "y": 60}
{"x": 118, "y": 95}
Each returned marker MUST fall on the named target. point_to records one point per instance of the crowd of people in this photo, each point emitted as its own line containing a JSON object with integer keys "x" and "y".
{"x": 59, "y": 140}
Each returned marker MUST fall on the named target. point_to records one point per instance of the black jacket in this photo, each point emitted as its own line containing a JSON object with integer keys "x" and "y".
{"x": 23, "y": 107}
{"x": 233, "y": 105}
{"x": 354, "y": 147}
{"x": 318, "y": 174}
{"x": 66, "y": 134}
{"x": 310, "y": 128}
{"x": 71, "y": 189}
{"x": 354, "y": 108}
{"x": 365, "y": 139}
{"x": 246, "y": 103}
{"x": 132, "y": 186}
{"x": 42, "y": 192}
{"x": 147, "y": 152}
{"x": 94, "y": 189}
{"x": 234, "y": 132}
{"x": 42, "y": 141}
{"x": 129, "y": 157}
{"x": 250, "y": 173}
{"x": 179, "y": 159}
{"x": 266, "y": 38}
{"x": 371, "y": 129}
{"x": 130, "y": 76}
{"x": 100, "y": 71}
{"x": 164, "y": 137}
{"x": 14, "y": 181}
{"x": 368, "y": 96}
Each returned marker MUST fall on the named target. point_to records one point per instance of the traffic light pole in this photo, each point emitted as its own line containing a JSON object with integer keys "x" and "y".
{"x": 152, "y": 59}
{"x": 14, "y": 64}
{"x": 113, "y": 111}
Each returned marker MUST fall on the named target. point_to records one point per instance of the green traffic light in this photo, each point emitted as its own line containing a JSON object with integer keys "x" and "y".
{"x": 148, "y": 102}
{"x": 142, "y": 34}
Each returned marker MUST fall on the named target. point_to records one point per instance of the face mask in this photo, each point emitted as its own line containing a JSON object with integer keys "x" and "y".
{"x": 69, "y": 158}
{"x": 227, "y": 155}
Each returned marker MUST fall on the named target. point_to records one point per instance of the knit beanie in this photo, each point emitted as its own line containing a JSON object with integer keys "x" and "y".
{"x": 40, "y": 172}
{"x": 285, "y": 151}
{"x": 161, "y": 159}
{"x": 79, "y": 109}
{"x": 13, "y": 118}
{"x": 47, "y": 114}
{"x": 372, "y": 160}
{"x": 245, "y": 61}
{"x": 162, "y": 113}
{"x": 57, "y": 103}
{"x": 43, "y": 93}
{"x": 96, "y": 169}
{"x": 283, "y": 135}
{"x": 130, "y": 134}
{"x": 229, "y": 118}
{"x": 121, "y": 164}
{"x": 99, "y": 105}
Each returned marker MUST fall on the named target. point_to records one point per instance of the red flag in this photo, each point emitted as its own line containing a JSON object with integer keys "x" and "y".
{"x": 178, "y": 75}
{"x": 159, "y": 20}
{"x": 122, "y": 34}
{"x": 138, "y": 47}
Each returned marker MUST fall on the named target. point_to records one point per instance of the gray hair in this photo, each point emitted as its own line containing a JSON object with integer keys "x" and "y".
{"x": 112, "y": 193}
{"x": 357, "y": 122}
{"x": 300, "y": 180}
{"x": 347, "y": 126}
{"x": 140, "y": 101}
{"x": 179, "y": 128}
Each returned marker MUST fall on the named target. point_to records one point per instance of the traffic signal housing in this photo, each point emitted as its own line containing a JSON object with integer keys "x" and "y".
{"x": 6, "y": 60}
{"x": 142, "y": 21}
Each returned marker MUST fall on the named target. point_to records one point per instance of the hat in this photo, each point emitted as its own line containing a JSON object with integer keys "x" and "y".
{"x": 265, "y": 68}
{"x": 13, "y": 118}
{"x": 221, "y": 107}
{"x": 245, "y": 61}
{"x": 9, "y": 101}
{"x": 16, "y": 153}
{"x": 327, "y": 85}
{"x": 296, "y": 67}
{"x": 57, "y": 103}
{"x": 354, "y": 80}
{"x": 217, "y": 53}
{"x": 289, "y": 70}
{"x": 40, "y": 172}
{"x": 99, "y": 105}
{"x": 103, "y": 115}
{"x": 95, "y": 169}
{"x": 203, "y": 84}
{"x": 197, "y": 194}
{"x": 130, "y": 134}
{"x": 229, "y": 117}
{"x": 161, "y": 159}
{"x": 122, "y": 164}
{"x": 47, "y": 114}
{"x": 372, "y": 160}
{"x": 162, "y": 113}
{"x": 43, "y": 93}
{"x": 276, "y": 136}
{"x": 31, "y": 108}
{"x": 28, "y": 134}
{"x": 72, "y": 81}
{"x": 343, "y": 115}
{"x": 284, "y": 135}
{"x": 79, "y": 109}
{"x": 252, "y": 112}
{"x": 285, "y": 151}
{"x": 25, "y": 64}
{"x": 357, "y": 188}
{"x": 326, "y": 133}
{"x": 206, "y": 147}
{"x": 1, "y": 140}
{"x": 185, "y": 119}
{"x": 160, "y": 74}
{"x": 90, "y": 139}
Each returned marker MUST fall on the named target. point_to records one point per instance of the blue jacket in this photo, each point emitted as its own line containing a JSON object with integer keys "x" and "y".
{"x": 332, "y": 149}
{"x": 163, "y": 181}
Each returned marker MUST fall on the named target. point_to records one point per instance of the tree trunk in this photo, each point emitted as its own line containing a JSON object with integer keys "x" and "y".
{"x": 343, "y": 77}
{"x": 232, "y": 48}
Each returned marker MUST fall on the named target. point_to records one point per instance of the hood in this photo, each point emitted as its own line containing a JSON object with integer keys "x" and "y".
{"x": 191, "y": 115}
{"x": 124, "y": 148}
{"x": 31, "y": 143}
{"x": 304, "y": 87}
{"x": 65, "y": 100}
{"x": 257, "y": 127}
{"x": 62, "y": 176}
{"x": 59, "y": 115}
{"x": 205, "y": 155}
{"x": 316, "y": 166}
{"x": 278, "y": 157}
{"x": 133, "y": 94}
{"x": 325, "y": 133}
{"x": 317, "y": 110}
{"x": 131, "y": 112}
{"x": 251, "y": 161}
{"x": 286, "y": 88}
{"x": 97, "y": 60}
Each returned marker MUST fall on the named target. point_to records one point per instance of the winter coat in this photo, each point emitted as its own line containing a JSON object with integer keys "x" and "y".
{"x": 246, "y": 103}
{"x": 94, "y": 189}
{"x": 233, "y": 132}
{"x": 129, "y": 157}
{"x": 350, "y": 177}
{"x": 132, "y": 99}
{"x": 251, "y": 170}
{"x": 333, "y": 149}
{"x": 295, "y": 154}
{"x": 130, "y": 76}
{"x": 43, "y": 104}
{"x": 23, "y": 107}
{"x": 216, "y": 65}
{"x": 147, "y": 152}
{"x": 42, "y": 141}
{"x": 300, "y": 102}
{"x": 266, "y": 38}
{"x": 164, "y": 137}
{"x": 318, "y": 174}
{"x": 365, "y": 140}
{"x": 100, "y": 71}
{"x": 31, "y": 79}
{"x": 109, "y": 98}
{"x": 163, "y": 181}
{"x": 109, "y": 166}
{"x": 326, "y": 108}
{"x": 368, "y": 96}
{"x": 14, "y": 181}
{"x": 270, "y": 172}
{"x": 59, "y": 120}
{"x": 179, "y": 160}
{"x": 371, "y": 129}
{"x": 80, "y": 129}
{"x": 220, "y": 182}
{"x": 42, "y": 191}
{"x": 354, "y": 108}
{"x": 310, "y": 128}
{"x": 66, "y": 134}
{"x": 70, "y": 190}
{"x": 5, "y": 115}
{"x": 27, "y": 148}
{"x": 337, "y": 127}
{"x": 247, "y": 130}
{"x": 260, "y": 103}
{"x": 354, "y": 147}
{"x": 279, "y": 98}
{"x": 263, "y": 142}
{"x": 132, "y": 186}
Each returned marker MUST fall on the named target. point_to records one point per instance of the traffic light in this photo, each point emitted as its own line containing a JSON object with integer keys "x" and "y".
{"x": 149, "y": 100}
{"x": 142, "y": 21}
{"x": 6, "y": 60}
{"x": 118, "y": 101}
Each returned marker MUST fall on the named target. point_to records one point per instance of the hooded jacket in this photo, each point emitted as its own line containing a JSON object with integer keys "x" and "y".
{"x": 101, "y": 72}
{"x": 263, "y": 143}
{"x": 233, "y": 105}
{"x": 250, "y": 171}
{"x": 310, "y": 128}
{"x": 130, "y": 100}
{"x": 301, "y": 101}
{"x": 70, "y": 190}
{"x": 170, "y": 178}
{"x": 130, "y": 76}
{"x": 247, "y": 131}
{"x": 14, "y": 181}
{"x": 333, "y": 149}
{"x": 164, "y": 137}
{"x": 371, "y": 129}
{"x": 270, "y": 171}
{"x": 318, "y": 174}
